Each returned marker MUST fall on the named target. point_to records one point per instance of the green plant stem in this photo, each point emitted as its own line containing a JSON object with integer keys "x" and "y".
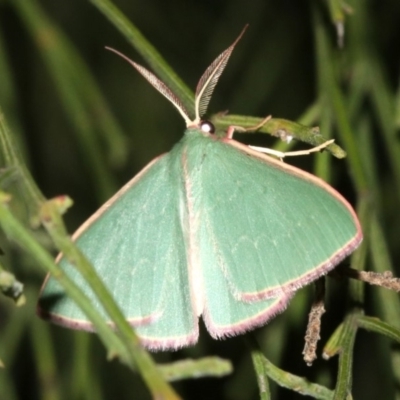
{"x": 264, "y": 368}
{"x": 261, "y": 374}
{"x": 278, "y": 127}
{"x": 203, "y": 367}
{"x": 13, "y": 160}
{"x": 345, "y": 343}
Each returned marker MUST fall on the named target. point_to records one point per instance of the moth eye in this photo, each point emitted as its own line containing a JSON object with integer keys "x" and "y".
{"x": 207, "y": 127}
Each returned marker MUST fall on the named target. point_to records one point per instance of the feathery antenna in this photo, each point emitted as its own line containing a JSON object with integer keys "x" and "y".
{"x": 204, "y": 89}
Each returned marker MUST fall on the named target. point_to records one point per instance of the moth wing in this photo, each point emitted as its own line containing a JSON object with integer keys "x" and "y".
{"x": 224, "y": 314}
{"x": 271, "y": 227}
{"x": 135, "y": 241}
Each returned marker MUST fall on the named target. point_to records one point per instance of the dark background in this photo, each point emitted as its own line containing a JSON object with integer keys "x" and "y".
{"x": 273, "y": 70}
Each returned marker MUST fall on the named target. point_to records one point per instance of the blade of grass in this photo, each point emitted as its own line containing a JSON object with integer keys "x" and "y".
{"x": 397, "y": 106}
{"x": 8, "y": 98}
{"x": 55, "y": 52}
{"x": 383, "y": 101}
{"x": 322, "y": 163}
{"x": 376, "y": 325}
{"x": 366, "y": 65}
{"x": 85, "y": 382}
{"x": 47, "y": 35}
{"x": 364, "y": 124}
{"x": 337, "y": 17}
{"x": 11, "y": 334}
{"x": 311, "y": 115}
{"x": 49, "y": 387}
{"x": 359, "y": 257}
{"x": 335, "y": 99}
{"x": 345, "y": 342}
{"x": 7, "y": 386}
{"x": 159, "y": 66}
{"x": 387, "y": 300}
{"x": 12, "y": 160}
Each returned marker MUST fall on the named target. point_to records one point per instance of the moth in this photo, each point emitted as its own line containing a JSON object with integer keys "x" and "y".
{"x": 213, "y": 229}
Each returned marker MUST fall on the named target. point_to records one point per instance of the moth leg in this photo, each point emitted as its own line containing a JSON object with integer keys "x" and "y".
{"x": 231, "y": 129}
{"x": 281, "y": 154}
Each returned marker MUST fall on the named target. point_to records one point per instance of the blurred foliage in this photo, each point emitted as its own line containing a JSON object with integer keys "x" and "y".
{"x": 84, "y": 123}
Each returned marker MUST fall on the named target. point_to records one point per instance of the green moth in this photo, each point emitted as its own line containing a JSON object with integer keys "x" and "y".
{"x": 212, "y": 229}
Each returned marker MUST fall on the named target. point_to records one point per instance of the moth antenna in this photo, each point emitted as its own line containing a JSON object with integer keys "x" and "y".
{"x": 159, "y": 85}
{"x": 209, "y": 79}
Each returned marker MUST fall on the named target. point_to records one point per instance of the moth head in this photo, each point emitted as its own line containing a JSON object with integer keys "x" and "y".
{"x": 204, "y": 89}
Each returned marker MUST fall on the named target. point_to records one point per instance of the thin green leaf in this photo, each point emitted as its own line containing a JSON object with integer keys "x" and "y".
{"x": 376, "y": 325}
{"x": 332, "y": 346}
